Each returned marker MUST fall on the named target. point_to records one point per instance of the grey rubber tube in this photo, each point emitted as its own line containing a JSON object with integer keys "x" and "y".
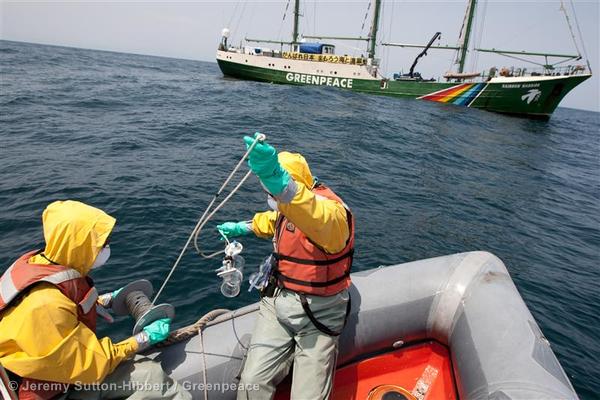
{"x": 465, "y": 301}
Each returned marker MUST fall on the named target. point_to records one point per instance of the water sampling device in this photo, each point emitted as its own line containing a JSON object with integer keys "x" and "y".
{"x": 231, "y": 270}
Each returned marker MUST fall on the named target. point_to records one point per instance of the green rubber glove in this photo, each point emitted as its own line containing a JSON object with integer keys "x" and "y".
{"x": 263, "y": 162}
{"x": 106, "y": 299}
{"x": 158, "y": 330}
{"x": 234, "y": 229}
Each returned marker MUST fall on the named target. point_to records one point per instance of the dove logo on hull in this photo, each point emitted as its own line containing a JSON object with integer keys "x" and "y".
{"x": 532, "y": 95}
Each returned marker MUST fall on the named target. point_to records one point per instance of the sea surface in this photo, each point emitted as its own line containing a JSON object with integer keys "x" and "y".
{"x": 151, "y": 139}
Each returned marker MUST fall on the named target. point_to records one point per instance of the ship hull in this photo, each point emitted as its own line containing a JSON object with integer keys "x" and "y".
{"x": 535, "y": 97}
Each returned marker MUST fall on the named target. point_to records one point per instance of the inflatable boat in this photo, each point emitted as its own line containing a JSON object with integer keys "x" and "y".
{"x": 452, "y": 327}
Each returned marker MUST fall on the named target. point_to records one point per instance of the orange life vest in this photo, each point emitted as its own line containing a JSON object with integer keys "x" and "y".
{"x": 304, "y": 267}
{"x": 20, "y": 277}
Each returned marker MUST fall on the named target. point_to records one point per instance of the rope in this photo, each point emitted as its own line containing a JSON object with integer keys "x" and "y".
{"x": 360, "y": 49}
{"x": 580, "y": 35}
{"x": 281, "y": 23}
{"x": 315, "y": 17}
{"x": 287, "y": 5}
{"x": 233, "y": 14}
{"x": 237, "y": 24}
{"x": 389, "y": 37}
{"x": 564, "y": 10}
{"x": 305, "y": 19}
{"x": 213, "y": 213}
{"x": 138, "y": 304}
{"x": 190, "y": 331}
{"x": 203, "y": 219}
{"x": 212, "y": 317}
{"x": 204, "y": 376}
{"x": 523, "y": 59}
{"x": 479, "y": 38}
{"x": 362, "y": 28}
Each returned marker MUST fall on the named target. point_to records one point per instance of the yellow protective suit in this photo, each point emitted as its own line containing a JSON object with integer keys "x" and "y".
{"x": 40, "y": 335}
{"x": 322, "y": 220}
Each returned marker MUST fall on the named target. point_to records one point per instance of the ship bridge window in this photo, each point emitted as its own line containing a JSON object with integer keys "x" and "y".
{"x": 328, "y": 49}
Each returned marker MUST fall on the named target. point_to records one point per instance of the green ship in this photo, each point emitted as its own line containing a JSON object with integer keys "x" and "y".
{"x": 519, "y": 91}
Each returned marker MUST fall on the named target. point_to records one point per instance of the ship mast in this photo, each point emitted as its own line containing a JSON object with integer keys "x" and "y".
{"x": 465, "y": 34}
{"x": 296, "y": 15}
{"x": 374, "y": 27}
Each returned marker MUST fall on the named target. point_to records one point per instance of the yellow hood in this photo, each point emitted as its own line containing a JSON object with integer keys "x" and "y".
{"x": 74, "y": 233}
{"x": 295, "y": 164}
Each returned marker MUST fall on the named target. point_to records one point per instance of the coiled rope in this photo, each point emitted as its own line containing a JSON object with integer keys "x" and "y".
{"x": 138, "y": 304}
{"x": 216, "y": 316}
{"x": 190, "y": 331}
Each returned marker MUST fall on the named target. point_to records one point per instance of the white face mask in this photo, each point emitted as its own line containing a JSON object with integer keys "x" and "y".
{"x": 102, "y": 257}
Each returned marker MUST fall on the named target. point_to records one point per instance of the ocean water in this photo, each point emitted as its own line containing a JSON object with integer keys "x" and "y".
{"x": 151, "y": 139}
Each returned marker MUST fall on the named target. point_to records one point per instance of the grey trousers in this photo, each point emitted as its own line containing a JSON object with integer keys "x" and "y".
{"x": 137, "y": 379}
{"x": 284, "y": 335}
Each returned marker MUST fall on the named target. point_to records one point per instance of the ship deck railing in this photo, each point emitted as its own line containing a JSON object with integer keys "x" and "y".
{"x": 289, "y": 55}
{"x": 566, "y": 70}
{"x": 486, "y": 75}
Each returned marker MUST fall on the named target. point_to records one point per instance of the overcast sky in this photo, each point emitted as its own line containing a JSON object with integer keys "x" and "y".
{"x": 192, "y": 29}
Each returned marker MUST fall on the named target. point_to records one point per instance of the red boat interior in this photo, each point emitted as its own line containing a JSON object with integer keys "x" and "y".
{"x": 416, "y": 372}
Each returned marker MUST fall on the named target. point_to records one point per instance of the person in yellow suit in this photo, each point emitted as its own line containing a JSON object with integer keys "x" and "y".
{"x": 48, "y": 303}
{"x": 304, "y": 308}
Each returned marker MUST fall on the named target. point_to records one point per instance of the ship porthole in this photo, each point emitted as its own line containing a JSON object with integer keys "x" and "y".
{"x": 390, "y": 392}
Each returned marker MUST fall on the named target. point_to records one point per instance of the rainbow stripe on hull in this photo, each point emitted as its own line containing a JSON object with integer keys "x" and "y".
{"x": 462, "y": 95}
